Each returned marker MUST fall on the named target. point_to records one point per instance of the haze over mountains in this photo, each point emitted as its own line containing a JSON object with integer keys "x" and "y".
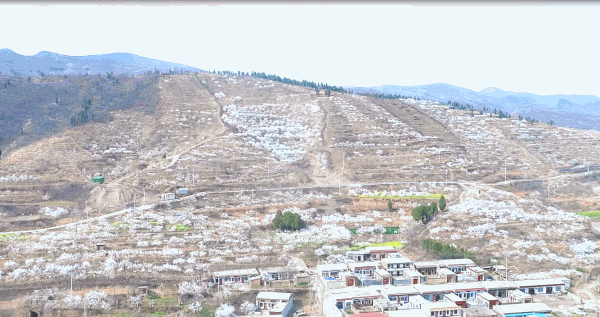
{"x": 58, "y": 64}
{"x": 576, "y": 111}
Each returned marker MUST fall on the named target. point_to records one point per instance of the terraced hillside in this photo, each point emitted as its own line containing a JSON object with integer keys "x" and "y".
{"x": 214, "y": 132}
{"x": 246, "y": 147}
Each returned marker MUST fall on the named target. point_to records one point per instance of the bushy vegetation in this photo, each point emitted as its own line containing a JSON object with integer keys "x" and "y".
{"x": 442, "y": 203}
{"x": 288, "y": 221}
{"x": 388, "y": 196}
{"x": 446, "y": 250}
{"x": 424, "y": 213}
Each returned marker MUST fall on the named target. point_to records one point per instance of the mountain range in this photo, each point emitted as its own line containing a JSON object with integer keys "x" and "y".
{"x": 58, "y": 64}
{"x": 576, "y": 111}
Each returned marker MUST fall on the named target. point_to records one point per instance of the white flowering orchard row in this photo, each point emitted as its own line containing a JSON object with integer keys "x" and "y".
{"x": 285, "y": 130}
{"x": 19, "y": 178}
{"x": 54, "y": 213}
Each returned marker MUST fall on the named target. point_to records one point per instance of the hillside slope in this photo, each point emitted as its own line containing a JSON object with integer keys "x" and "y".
{"x": 576, "y": 111}
{"x": 245, "y": 148}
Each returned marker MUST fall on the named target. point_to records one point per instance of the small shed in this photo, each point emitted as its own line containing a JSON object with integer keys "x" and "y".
{"x": 167, "y": 196}
{"x": 182, "y": 191}
{"x": 301, "y": 279}
{"x": 98, "y": 179}
{"x": 486, "y": 299}
{"x": 100, "y": 246}
{"x": 455, "y": 299}
{"x": 448, "y": 275}
{"x": 143, "y": 290}
{"x": 255, "y": 281}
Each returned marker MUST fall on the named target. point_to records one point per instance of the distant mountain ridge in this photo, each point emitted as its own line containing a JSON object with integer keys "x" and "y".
{"x": 59, "y": 64}
{"x": 576, "y": 111}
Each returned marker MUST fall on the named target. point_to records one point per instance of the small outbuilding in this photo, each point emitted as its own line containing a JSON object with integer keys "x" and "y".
{"x": 182, "y": 191}
{"x": 167, "y": 196}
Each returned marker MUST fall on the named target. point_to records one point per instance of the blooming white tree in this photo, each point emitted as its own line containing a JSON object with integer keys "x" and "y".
{"x": 135, "y": 300}
{"x": 97, "y": 300}
{"x": 195, "y": 307}
{"x": 247, "y": 308}
{"x": 191, "y": 288}
{"x": 225, "y": 310}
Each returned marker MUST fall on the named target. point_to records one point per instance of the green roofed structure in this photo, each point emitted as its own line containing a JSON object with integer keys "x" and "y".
{"x": 98, "y": 179}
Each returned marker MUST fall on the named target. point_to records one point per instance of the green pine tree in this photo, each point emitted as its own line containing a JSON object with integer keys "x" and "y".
{"x": 442, "y": 203}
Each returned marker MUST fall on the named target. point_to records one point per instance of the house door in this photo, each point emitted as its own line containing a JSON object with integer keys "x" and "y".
{"x": 548, "y": 290}
{"x": 532, "y": 291}
{"x": 350, "y": 282}
{"x": 415, "y": 281}
{"x": 480, "y": 278}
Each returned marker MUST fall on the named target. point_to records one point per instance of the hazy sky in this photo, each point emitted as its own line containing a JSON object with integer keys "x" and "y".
{"x": 552, "y": 49}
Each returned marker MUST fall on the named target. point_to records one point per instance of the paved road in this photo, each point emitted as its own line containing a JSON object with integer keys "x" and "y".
{"x": 192, "y": 197}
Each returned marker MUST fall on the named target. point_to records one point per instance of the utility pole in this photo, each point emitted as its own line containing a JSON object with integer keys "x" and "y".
{"x": 439, "y": 155}
{"x": 505, "y": 170}
{"x": 193, "y": 176}
{"x": 71, "y": 284}
{"x": 446, "y": 175}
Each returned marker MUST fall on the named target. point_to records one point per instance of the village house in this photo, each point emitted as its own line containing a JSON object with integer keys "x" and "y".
{"x": 498, "y": 288}
{"x": 276, "y": 304}
{"x": 364, "y": 268}
{"x": 426, "y": 268}
{"x": 433, "y": 293}
{"x": 234, "y": 276}
{"x": 371, "y": 253}
{"x": 385, "y": 276}
{"x": 476, "y": 272}
{"x": 442, "y": 309}
{"x": 467, "y": 291}
{"x": 448, "y": 275}
{"x": 357, "y": 297}
{"x": 414, "y": 278}
{"x": 378, "y": 253}
{"x": 396, "y": 266}
{"x": 399, "y": 294}
{"x": 359, "y": 255}
{"x": 523, "y": 310}
{"x": 487, "y": 300}
{"x": 278, "y": 273}
{"x": 458, "y": 266}
{"x": 516, "y": 296}
{"x": 542, "y": 286}
{"x": 455, "y": 299}
{"x": 331, "y": 270}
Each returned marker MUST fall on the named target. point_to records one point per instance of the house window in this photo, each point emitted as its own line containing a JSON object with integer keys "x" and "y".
{"x": 557, "y": 289}
{"x": 432, "y": 314}
{"x": 455, "y": 312}
{"x": 540, "y": 289}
